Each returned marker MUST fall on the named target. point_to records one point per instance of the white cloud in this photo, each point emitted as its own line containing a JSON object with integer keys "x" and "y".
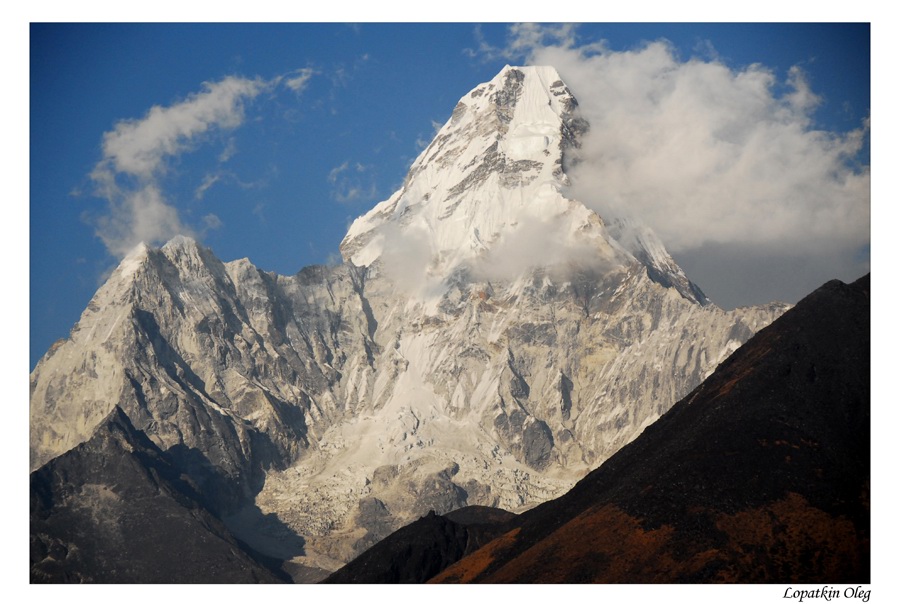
{"x": 299, "y": 79}
{"x": 526, "y": 36}
{"x": 406, "y": 257}
{"x": 516, "y": 253}
{"x": 336, "y": 171}
{"x": 522, "y": 39}
{"x": 138, "y": 147}
{"x": 228, "y": 152}
{"x": 212, "y": 222}
{"x": 208, "y": 181}
{"x": 707, "y": 154}
{"x": 140, "y": 215}
{"x": 135, "y": 154}
{"x": 349, "y": 192}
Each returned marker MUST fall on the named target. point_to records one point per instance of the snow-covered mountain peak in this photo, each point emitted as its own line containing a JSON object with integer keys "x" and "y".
{"x": 491, "y": 179}
{"x": 648, "y": 249}
{"x": 521, "y": 110}
{"x": 132, "y": 261}
{"x": 180, "y": 242}
{"x": 182, "y": 248}
{"x": 487, "y": 198}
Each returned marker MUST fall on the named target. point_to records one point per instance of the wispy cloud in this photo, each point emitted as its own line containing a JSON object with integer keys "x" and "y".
{"x": 136, "y": 154}
{"x": 521, "y": 40}
{"x": 335, "y": 172}
{"x": 212, "y": 222}
{"x": 299, "y": 79}
{"x": 423, "y": 141}
{"x": 526, "y": 36}
{"x": 483, "y": 50}
{"x": 341, "y": 74}
{"x": 352, "y": 182}
{"x": 228, "y": 152}
{"x": 208, "y": 181}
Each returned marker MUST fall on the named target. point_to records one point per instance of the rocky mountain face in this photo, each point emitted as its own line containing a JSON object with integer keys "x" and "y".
{"x": 760, "y": 475}
{"x": 116, "y": 510}
{"x": 486, "y": 341}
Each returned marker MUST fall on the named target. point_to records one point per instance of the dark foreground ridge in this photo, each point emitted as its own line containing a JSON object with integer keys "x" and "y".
{"x": 425, "y": 547}
{"x": 760, "y": 475}
{"x": 116, "y": 510}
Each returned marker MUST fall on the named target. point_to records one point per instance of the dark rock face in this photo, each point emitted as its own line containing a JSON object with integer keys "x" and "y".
{"x": 505, "y": 99}
{"x": 424, "y": 548}
{"x": 511, "y": 174}
{"x": 116, "y": 510}
{"x": 537, "y": 441}
{"x": 759, "y": 475}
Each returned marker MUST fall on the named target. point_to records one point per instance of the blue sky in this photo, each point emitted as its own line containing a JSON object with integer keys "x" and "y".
{"x": 327, "y": 118}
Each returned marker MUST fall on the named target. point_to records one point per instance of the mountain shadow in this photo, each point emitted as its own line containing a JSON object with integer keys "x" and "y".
{"x": 115, "y": 509}
{"x": 422, "y": 549}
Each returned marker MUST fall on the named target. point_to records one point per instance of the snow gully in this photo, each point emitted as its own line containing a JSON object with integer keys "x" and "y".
{"x": 827, "y": 593}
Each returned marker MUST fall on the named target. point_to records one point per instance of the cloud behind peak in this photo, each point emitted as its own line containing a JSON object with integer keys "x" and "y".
{"x": 710, "y": 154}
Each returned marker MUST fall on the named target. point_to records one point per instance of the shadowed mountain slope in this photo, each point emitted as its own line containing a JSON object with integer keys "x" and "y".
{"x": 420, "y": 550}
{"x": 761, "y": 474}
{"x": 115, "y": 510}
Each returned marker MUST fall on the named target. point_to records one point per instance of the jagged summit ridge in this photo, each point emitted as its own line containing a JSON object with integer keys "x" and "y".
{"x": 492, "y": 171}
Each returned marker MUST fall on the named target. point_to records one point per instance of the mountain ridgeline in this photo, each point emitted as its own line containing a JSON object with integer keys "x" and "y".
{"x": 487, "y": 341}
